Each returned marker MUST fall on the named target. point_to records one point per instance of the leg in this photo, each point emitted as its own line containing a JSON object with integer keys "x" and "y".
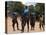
{"x": 31, "y": 23}
{"x": 43, "y": 27}
{"x": 17, "y": 26}
{"x": 22, "y": 28}
{"x": 23, "y": 25}
{"x": 28, "y": 25}
{"x": 40, "y": 25}
{"x": 33, "y": 27}
{"x": 13, "y": 26}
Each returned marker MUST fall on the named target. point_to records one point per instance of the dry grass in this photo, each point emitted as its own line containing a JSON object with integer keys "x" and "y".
{"x": 10, "y": 29}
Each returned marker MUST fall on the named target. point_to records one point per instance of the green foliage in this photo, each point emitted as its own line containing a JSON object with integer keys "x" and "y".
{"x": 18, "y": 6}
{"x": 39, "y": 8}
{"x": 31, "y": 8}
{"x": 15, "y": 6}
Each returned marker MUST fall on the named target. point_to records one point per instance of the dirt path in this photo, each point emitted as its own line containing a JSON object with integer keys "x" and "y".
{"x": 10, "y": 29}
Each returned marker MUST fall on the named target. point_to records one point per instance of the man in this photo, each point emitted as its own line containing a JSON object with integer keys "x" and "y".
{"x": 42, "y": 22}
{"x": 32, "y": 20}
{"x": 14, "y": 21}
{"x": 25, "y": 18}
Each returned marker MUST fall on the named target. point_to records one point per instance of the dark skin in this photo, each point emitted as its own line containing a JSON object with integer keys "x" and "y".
{"x": 14, "y": 21}
{"x": 24, "y": 20}
{"x": 42, "y": 24}
{"x": 32, "y": 22}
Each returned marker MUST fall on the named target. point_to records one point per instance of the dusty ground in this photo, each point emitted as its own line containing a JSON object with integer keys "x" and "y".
{"x": 10, "y": 29}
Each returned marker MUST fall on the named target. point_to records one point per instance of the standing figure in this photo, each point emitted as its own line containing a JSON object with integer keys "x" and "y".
{"x": 14, "y": 21}
{"x": 25, "y": 18}
{"x": 42, "y": 23}
{"x": 32, "y": 21}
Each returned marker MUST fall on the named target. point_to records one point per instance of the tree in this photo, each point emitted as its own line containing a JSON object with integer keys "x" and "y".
{"x": 39, "y": 8}
{"x": 15, "y": 6}
{"x": 31, "y": 8}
